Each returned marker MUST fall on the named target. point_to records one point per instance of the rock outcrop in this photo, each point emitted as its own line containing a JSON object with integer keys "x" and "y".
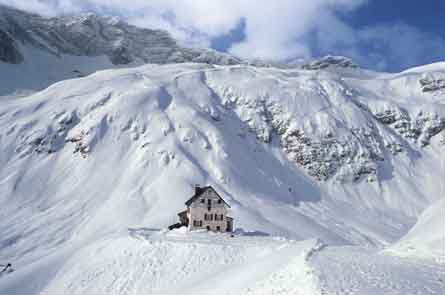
{"x": 9, "y": 52}
{"x": 330, "y": 61}
{"x": 430, "y": 85}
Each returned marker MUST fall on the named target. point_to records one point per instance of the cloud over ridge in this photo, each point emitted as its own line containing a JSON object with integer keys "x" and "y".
{"x": 273, "y": 30}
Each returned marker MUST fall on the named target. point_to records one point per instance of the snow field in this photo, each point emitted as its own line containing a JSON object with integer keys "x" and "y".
{"x": 148, "y": 262}
{"x": 358, "y": 271}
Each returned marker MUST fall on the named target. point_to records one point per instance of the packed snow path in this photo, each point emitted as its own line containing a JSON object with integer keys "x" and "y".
{"x": 359, "y": 271}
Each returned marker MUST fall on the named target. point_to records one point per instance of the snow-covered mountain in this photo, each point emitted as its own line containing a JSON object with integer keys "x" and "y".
{"x": 348, "y": 156}
{"x": 36, "y": 51}
{"x": 93, "y": 168}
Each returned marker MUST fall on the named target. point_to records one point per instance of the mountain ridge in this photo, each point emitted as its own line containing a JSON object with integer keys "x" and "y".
{"x": 77, "y": 45}
{"x": 71, "y": 46}
{"x": 89, "y": 34}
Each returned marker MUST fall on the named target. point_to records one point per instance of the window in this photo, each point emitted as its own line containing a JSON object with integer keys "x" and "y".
{"x": 211, "y": 216}
{"x": 203, "y": 201}
{"x": 208, "y": 227}
{"x": 209, "y": 204}
{"x": 206, "y": 216}
{"x": 221, "y": 217}
{"x": 197, "y": 223}
{"x": 219, "y": 201}
{"x": 218, "y": 228}
{"x": 200, "y": 223}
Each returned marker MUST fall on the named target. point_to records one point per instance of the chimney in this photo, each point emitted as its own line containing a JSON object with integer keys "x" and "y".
{"x": 197, "y": 189}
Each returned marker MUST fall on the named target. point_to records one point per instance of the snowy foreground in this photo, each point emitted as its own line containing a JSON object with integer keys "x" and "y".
{"x": 145, "y": 261}
{"x": 345, "y": 165}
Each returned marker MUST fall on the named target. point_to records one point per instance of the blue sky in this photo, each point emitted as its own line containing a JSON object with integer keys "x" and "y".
{"x": 426, "y": 18}
{"x": 389, "y": 35}
{"x": 426, "y": 14}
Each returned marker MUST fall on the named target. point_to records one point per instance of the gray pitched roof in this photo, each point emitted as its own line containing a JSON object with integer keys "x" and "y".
{"x": 199, "y": 191}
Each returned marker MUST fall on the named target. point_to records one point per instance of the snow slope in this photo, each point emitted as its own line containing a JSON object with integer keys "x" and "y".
{"x": 352, "y": 270}
{"x": 151, "y": 262}
{"x": 427, "y": 237}
{"x": 186, "y": 265}
{"x": 348, "y": 156}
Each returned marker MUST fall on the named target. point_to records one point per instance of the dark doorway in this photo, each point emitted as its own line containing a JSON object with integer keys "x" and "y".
{"x": 230, "y": 225}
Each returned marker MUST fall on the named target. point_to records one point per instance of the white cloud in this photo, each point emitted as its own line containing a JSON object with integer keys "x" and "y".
{"x": 45, "y": 7}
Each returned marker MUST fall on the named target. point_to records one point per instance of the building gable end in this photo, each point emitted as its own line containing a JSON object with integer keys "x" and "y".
{"x": 201, "y": 192}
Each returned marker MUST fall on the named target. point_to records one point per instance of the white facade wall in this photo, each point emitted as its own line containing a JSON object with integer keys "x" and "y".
{"x": 198, "y": 209}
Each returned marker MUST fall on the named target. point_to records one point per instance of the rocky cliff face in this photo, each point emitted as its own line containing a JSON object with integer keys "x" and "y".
{"x": 330, "y": 61}
{"x": 345, "y": 137}
{"x": 420, "y": 129}
{"x": 9, "y": 52}
{"x": 431, "y": 85}
{"x": 92, "y": 35}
